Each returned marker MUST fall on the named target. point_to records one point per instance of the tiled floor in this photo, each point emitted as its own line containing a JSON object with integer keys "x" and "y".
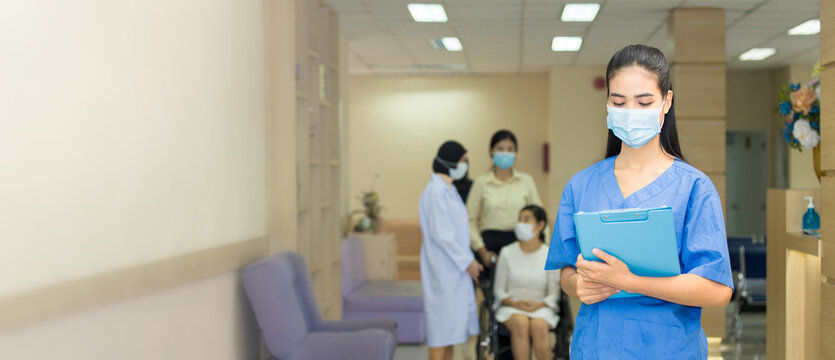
{"x": 751, "y": 346}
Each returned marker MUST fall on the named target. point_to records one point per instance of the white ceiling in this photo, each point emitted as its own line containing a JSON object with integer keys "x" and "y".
{"x": 514, "y": 36}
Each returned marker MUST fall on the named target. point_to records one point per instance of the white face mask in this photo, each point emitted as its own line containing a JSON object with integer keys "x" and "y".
{"x": 524, "y": 232}
{"x": 458, "y": 172}
{"x": 635, "y": 127}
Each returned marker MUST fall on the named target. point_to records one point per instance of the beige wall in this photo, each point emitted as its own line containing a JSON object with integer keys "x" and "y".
{"x": 129, "y": 142}
{"x": 132, "y": 132}
{"x": 577, "y": 126}
{"x": 396, "y": 125}
{"x": 208, "y": 319}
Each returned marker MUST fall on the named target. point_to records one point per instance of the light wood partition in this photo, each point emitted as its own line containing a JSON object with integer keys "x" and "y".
{"x": 794, "y": 281}
{"x": 408, "y": 236}
{"x": 317, "y": 150}
{"x": 827, "y": 201}
{"x": 280, "y": 123}
{"x": 380, "y": 253}
{"x": 698, "y": 75}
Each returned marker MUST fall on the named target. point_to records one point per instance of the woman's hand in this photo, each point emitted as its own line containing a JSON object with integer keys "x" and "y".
{"x": 529, "y": 306}
{"x": 474, "y": 269}
{"x": 591, "y": 292}
{"x": 487, "y": 257}
{"x": 611, "y": 272}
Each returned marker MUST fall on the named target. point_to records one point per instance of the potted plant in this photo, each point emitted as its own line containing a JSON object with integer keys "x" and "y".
{"x": 371, "y": 210}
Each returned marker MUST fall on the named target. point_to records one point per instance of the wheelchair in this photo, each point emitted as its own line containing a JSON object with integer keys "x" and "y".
{"x": 494, "y": 338}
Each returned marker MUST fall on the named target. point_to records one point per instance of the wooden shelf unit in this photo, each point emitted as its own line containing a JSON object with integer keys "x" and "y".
{"x": 318, "y": 141}
{"x": 794, "y": 279}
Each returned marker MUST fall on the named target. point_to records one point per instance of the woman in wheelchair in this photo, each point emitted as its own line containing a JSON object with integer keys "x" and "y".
{"x": 526, "y": 296}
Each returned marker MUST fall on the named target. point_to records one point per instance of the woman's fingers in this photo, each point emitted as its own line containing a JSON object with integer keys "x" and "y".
{"x": 595, "y": 299}
{"x": 589, "y": 299}
{"x": 596, "y": 292}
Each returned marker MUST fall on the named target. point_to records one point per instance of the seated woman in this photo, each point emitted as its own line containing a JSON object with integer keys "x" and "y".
{"x": 526, "y": 294}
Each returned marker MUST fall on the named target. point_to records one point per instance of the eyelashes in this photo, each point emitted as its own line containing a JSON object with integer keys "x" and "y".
{"x": 621, "y": 104}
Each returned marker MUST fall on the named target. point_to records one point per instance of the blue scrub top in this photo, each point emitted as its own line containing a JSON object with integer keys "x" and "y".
{"x": 644, "y": 327}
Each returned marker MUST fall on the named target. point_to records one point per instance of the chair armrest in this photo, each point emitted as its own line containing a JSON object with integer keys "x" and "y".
{"x": 372, "y": 344}
{"x": 389, "y": 325}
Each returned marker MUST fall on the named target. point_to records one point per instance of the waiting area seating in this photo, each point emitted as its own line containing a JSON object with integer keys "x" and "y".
{"x": 748, "y": 264}
{"x": 368, "y": 300}
{"x": 285, "y": 307}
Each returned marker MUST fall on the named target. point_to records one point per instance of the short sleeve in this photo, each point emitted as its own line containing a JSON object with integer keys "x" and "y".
{"x": 563, "y": 249}
{"x": 704, "y": 250}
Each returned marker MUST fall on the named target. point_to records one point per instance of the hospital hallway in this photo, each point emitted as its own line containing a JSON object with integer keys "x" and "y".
{"x": 414, "y": 179}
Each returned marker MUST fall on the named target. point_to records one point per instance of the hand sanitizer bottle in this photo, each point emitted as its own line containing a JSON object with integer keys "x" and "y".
{"x": 811, "y": 220}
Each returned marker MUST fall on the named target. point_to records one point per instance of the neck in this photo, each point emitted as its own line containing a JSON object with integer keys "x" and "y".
{"x": 445, "y": 178}
{"x": 530, "y": 245}
{"x": 645, "y": 156}
{"x": 503, "y": 174}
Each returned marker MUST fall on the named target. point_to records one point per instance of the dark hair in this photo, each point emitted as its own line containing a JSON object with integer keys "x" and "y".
{"x": 503, "y": 135}
{"x": 652, "y": 60}
{"x": 540, "y": 216}
{"x": 448, "y": 155}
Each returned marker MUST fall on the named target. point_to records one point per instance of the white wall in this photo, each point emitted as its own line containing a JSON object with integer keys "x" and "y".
{"x": 132, "y": 131}
{"x": 209, "y": 319}
{"x": 396, "y": 125}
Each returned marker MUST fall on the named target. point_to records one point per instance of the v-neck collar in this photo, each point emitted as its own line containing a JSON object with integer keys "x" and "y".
{"x": 636, "y": 198}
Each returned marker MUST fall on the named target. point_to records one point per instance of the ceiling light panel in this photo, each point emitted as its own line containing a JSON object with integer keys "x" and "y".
{"x": 757, "y": 54}
{"x": 428, "y": 12}
{"x": 579, "y": 12}
{"x": 566, "y": 43}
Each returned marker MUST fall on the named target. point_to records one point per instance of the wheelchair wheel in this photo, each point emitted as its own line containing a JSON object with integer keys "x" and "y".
{"x": 484, "y": 345}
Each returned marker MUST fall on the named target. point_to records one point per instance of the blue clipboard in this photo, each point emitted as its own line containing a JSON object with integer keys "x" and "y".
{"x": 644, "y": 239}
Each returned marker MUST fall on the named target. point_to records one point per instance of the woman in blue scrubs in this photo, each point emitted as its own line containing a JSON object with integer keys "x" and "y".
{"x": 447, "y": 266}
{"x": 644, "y": 168}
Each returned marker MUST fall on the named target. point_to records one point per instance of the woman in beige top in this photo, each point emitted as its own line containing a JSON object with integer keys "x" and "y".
{"x": 496, "y": 198}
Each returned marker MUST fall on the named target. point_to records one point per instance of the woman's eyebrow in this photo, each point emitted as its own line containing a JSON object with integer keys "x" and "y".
{"x": 643, "y": 95}
{"x": 617, "y": 95}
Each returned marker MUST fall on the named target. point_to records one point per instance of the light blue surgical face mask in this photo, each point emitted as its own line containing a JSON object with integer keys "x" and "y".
{"x": 635, "y": 127}
{"x": 503, "y": 159}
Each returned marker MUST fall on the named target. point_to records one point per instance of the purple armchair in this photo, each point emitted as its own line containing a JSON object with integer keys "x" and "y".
{"x": 279, "y": 290}
{"x": 367, "y": 300}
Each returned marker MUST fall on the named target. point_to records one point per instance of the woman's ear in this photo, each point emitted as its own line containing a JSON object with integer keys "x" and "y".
{"x": 540, "y": 226}
{"x": 668, "y": 101}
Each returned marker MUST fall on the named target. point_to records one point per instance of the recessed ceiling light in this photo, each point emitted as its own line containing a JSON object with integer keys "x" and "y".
{"x": 447, "y": 43}
{"x": 757, "y": 54}
{"x": 566, "y": 43}
{"x": 428, "y": 12}
{"x": 810, "y": 27}
{"x": 579, "y": 12}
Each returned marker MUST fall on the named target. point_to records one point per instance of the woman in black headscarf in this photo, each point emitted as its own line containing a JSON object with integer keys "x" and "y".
{"x": 447, "y": 266}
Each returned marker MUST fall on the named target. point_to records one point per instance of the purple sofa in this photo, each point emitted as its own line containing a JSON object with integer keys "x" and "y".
{"x": 278, "y": 287}
{"x": 367, "y": 300}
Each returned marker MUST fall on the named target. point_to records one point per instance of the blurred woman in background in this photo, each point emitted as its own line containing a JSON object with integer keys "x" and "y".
{"x": 447, "y": 266}
{"x": 496, "y": 198}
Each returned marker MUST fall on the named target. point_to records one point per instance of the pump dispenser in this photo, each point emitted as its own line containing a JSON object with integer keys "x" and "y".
{"x": 811, "y": 219}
